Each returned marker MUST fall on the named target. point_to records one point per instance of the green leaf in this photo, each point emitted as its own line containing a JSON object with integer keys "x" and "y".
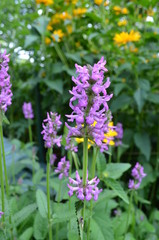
{"x": 115, "y": 170}
{"x": 30, "y": 39}
{"x": 101, "y": 226}
{"x": 40, "y": 227}
{"x": 27, "y": 234}
{"x": 142, "y": 141}
{"x": 62, "y": 212}
{"x": 38, "y": 176}
{"x": 23, "y": 214}
{"x": 42, "y": 203}
{"x": 118, "y": 88}
{"x": 120, "y": 102}
{"x": 74, "y": 56}
{"x": 140, "y": 97}
{"x": 55, "y": 85}
{"x": 116, "y": 186}
{"x": 153, "y": 97}
{"x": 41, "y": 24}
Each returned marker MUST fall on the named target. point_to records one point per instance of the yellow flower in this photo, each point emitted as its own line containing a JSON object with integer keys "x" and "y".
{"x": 57, "y": 35}
{"x": 117, "y": 10}
{"x": 132, "y": 49}
{"x": 107, "y": 20}
{"x": 106, "y": 3}
{"x": 81, "y": 140}
{"x": 77, "y": 44}
{"x": 47, "y": 41}
{"x": 124, "y": 11}
{"x": 98, "y": 2}
{"x": 150, "y": 12}
{"x": 154, "y": 55}
{"x": 134, "y": 36}
{"x": 63, "y": 16}
{"x": 69, "y": 29}
{"x": 122, "y": 22}
{"x": 71, "y": 1}
{"x": 125, "y": 37}
{"x": 49, "y": 27}
{"x": 45, "y": 2}
{"x": 79, "y": 11}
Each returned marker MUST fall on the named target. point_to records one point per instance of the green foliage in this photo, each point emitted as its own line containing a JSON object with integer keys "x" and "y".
{"x": 41, "y": 203}
{"x": 40, "y": 227}
{"x": 27, "y": 234}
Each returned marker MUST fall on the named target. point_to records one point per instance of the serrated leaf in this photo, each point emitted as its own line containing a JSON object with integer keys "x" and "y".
{"x": 140, "y": 97}
{"x": 116, "y": 186}
{"x": 24, "y": 213}
{"x": 27, "y": 234}
{"x": 115, "y": 170}
{"x": 40, "y": 227}
{"x": 42, "y": 203}
{"x": 62, "y": 212}
{"x": 142, "y": 141}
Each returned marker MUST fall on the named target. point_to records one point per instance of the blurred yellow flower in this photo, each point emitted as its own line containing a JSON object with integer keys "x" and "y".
{"x": 45, "y": 2}
{"x": 47, "y": 41}
{"x": 117, "y": 10}
{"x": 125, "y": 37}
{"x": 69, "y": 29}
{"x": 150, "y": 12}
{"x": 154, "y": 55}
{"x": 107, "y": 20}
{"x": 124, "y": 11}
{"x": 65, "y": 15}
{"x": 57, "y": 35}
{"x": 79, "y": 11}
{"x": 98, "y": 2}
{"x": 123, "y": 80}
{"x": 71, "y": 1}
{"x": 122, "y": 22}
{"x": 77, "y": 44}
{"x": 106, "y": 3}
{"x": 49, "y": 27}
{"x": 132, "y": 49}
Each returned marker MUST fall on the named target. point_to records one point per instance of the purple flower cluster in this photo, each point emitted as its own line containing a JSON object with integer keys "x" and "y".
{"x": 89, "y": 104}
{"x": 138, "y": 174}
{"x": 5, "y": 85}
{"x": 84, "y": 192}
{"x": 119, "y": 130}
{"x": 63, "y": 168}
{"x": 50, "y": 126}
{"x": 28, "y": 111}
{"x": 1, "y": 213}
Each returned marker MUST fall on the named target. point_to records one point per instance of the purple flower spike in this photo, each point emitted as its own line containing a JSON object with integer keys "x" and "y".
{"x": 5, "y": 85}
{"x": 63, "y": 168}
{"x": 138, "y": 174}
{"x": 1, "y": 213}
{"x": 28, "y": 111}
{"x": 90, "y": 113}
{"x": 84, "y": 192}
{"x": 50, "y": 126}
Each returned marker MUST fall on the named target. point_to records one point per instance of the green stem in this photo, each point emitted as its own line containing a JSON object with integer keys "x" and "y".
{"x": 60, "y": 54}
{"x": 48, "y": 192}
{"x": 93, "y": 169}
{"x": 30, "y": 131}
{"x": 75, "y": 160}
{"x": 110, "y": 155}
{"x": 85, "y": 164}
{"x": 58, "y": 200}
{"x": 2, "y": 186}
{"x": 129, "y": 210}
{"x": 118, "y": 158}
{"x": 4, "y": 161}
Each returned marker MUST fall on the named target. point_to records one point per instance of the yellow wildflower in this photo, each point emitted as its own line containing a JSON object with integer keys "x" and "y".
{"x": 124, "y": 11}
{"x": 77, "y": 44}
{"x": 98, "y": 2}
{"x": 69, "y": 29}
{"x": 117, "y": 10}
{"x": 154, "y": 55}
{"x": 79, "y": 11}
{"x": 63, "y": 16}
{"x": 107, "y": 20}
{"x": 45, "y": 2}
{"x": 122, "y": 22}
{"x": 71, "y": 1}
{"x": 57, "y": 35}
{"x": 109, "y": 136}
{"x": 125, "y": 37}
{"x": 81, "y": 140}
{"x": 49, "y": 27}
{"x": 132, "y": 49}
{"x": 106, "y": 3}
{"x": 134, "y": 36}
{"x": 47, "y": 41}
{"x": 150, "y": 12}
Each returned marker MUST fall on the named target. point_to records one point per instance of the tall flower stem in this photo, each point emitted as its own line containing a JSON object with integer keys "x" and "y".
{"x": 31, "y": 140}
{"x": 48, "y": 192}
{"x": 2, "y": 185}
{"x": 85, "y": 164}
{"x": 58, "y": 200}
{"x": 129, "y": 210}
{"x": 93, "y": 169}
{"x": 4, "y": 161}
